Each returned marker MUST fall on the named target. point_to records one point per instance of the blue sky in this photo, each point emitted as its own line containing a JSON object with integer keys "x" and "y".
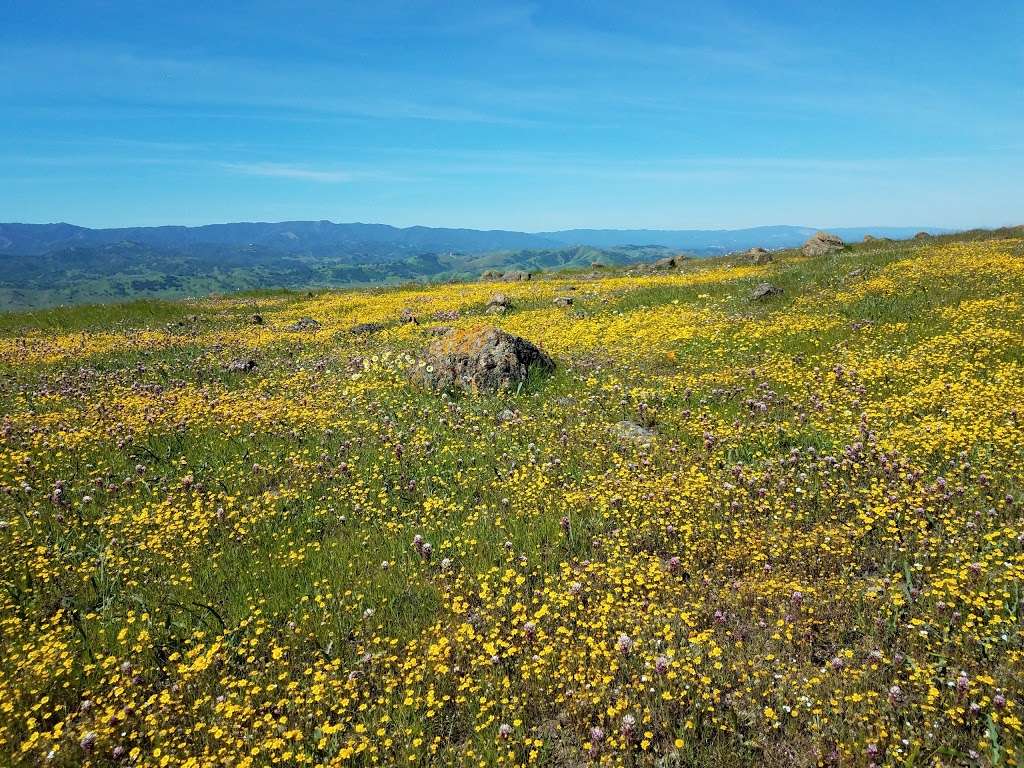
{"x": 513, "y": 115}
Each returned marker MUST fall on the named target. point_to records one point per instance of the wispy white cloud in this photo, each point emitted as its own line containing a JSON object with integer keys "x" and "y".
{"x": 284, "y": 171}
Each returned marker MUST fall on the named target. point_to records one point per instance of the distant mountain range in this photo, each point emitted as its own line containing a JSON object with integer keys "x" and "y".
{"x": 313, "y": 238}
{"x": 42, "y": 264}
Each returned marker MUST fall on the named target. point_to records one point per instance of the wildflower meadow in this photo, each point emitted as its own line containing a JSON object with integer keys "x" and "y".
{"x": 726, "y": 532}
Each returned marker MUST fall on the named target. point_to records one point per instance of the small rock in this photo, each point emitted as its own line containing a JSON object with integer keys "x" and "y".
{"x": 366, "y": 328}
{"x": 408, "y": 316}
{"x": 632, "y": 432}
{"x": 256, "y": 319}
{"x": 498, "y": 304}
{"x": 760, "y": 256}
{"x": 437, "y": 330}
{"x": 499, "y": 299}
{"x": 669, "y": 262}
{"x": 242, "y": 365}
{"x": 921, "y": 235}
{"x": 445, "y": 314}
{"x": 563, "y": 301}
{"x": 507, "y": 415}
{"x": 765, "y": 291}
{"x": 821, "y": 243}
{"x": 490, "y": 274}
{"x": 869, "y": 238}
{"x": 856, "y": 272}
{"x": 516, "y": 275}
{"x": 305, "y": 324}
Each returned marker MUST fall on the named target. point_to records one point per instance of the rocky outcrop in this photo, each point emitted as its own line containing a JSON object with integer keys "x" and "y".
{"x": 484, "y": 360}
{"x": 821, "y": 243}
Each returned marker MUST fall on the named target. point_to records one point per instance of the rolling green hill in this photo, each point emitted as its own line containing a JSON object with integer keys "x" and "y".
{"x": 130, "y": 270}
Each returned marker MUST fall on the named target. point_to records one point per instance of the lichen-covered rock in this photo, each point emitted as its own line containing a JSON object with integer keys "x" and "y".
{"x": 563, "y": 301}
{"x": 364, "y": 328}
{"x": 483, "y": 359}
{"x": 821, "y": 243}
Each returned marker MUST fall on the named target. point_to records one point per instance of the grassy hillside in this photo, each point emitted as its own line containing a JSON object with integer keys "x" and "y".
{"x": 815, "y": 558}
